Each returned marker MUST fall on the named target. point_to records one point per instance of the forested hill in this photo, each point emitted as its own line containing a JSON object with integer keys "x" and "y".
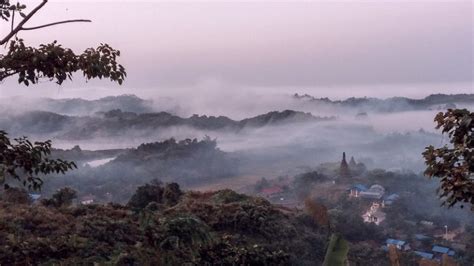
{"x": 394, "y": 104}
{"x": 78, "y": 106}
{"x": 117, "y": 122}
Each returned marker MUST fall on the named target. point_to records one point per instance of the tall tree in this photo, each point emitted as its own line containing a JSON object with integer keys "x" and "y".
{"x": 454, "y": 164}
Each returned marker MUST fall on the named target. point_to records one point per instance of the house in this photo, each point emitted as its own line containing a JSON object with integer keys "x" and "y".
{"x": 424, "y": 255}
{"x": 374, "y": 192}
{"x": 443, "y": 250}
{"x": 86, "y": 200}
{"x": 374, "y": 214}
{"x": 426, "y": 223}
{"x": 421, "y": 237}
{"x": 400, "y": 244}
{"x": 355, "y": 190}
{"x": 391, "y": 198}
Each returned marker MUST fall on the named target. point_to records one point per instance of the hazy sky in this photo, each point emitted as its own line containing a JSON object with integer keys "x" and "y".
{"x": 300, "y": 45}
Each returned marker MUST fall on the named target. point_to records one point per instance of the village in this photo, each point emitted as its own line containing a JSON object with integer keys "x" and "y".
{"x": 424, "y": 238}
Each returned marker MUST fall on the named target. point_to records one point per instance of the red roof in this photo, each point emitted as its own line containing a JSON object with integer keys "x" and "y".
{"x": 271, "y": 190}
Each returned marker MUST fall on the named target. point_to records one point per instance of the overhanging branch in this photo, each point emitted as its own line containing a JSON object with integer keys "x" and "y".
{"x": 20, "y": 25}
{"x": 55, "y": 23}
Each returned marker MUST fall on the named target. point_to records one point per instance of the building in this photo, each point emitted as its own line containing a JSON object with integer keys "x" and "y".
{"x": 424, "y": 255}
{"x": 427, "y": 223}
{"x": 391, "y": 198}
{"x": 421, "y": 237}
{"x": 355, "y": 190}
{"x": 374, "y": 192}
{"x": 399, "y": 244}
{"x": 440, "y": 250}
{"x": 344, "y": 171}
{"x": 374, "y": 214}
{"x": 86, "y": 200}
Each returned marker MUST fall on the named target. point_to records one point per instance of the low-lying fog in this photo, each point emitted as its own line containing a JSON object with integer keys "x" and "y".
{"x": 380, "y": 139}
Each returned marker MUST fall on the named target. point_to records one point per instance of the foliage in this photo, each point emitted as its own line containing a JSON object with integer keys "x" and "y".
{"x": 63, "y": 197}
{"x": 304, "y": 183}
{"x": 154, "y": 192}
{"x": 24, "y": 161}
{"x": 51, "y": 61}
{"x": 212, "y": 228}
{"x": 454, "y": 165}
{"x": 318, "y": 212}
{"x": 15, "y": 195}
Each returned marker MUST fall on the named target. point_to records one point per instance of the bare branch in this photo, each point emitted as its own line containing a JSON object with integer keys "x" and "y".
{"x": 56, "y": 23}
{"x": 20, "y": 25}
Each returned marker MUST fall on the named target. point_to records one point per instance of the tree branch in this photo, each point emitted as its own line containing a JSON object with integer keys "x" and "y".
{"x": 6, "y": 74}
{"x": 56, "y": 23}
{"x": 20, "y": 25}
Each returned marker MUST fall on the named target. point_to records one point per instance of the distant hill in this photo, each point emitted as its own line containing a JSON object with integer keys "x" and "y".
{"x": 118, "y": 122}
{"x": 187, "y": 161}
{"x": 394, "y": 104}
{"x": 78, "y": 106}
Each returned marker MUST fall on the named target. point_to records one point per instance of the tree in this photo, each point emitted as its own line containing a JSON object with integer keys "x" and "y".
{"x": 454, "y": 164}
{"x": 30, "y": 64}
{"x": 51, "y": 61}
{"x": 24, "y": 161}
{"x": 62, "y": 197}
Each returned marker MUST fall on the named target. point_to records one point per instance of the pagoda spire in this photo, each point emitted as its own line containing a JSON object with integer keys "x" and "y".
{"x": 344, "y": 168}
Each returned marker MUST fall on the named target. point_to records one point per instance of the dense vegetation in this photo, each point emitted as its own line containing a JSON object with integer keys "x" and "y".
{"x": 187, "y": 161}
{"x": 161, "y": 225}
{"x": 454, "y": 165}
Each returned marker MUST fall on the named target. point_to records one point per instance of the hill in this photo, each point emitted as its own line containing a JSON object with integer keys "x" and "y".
{"x": 119, "y": 123}
{"x": 394, "y": 104}
{"x": 161, "y": 225}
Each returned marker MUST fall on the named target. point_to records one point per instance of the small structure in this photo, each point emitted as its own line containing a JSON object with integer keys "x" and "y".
{"x": 374, "y": 214}
{"x": 374, "y": 192}
{"x": 421, "y": 237}
{"x": 86, "y": 200}
{"x": 442, "y": 250}
{"x": 426, "y": 223}
{"x": 34, "y": 197}
{"x": 424, "y": 255}
{"x": 399, "y": 244}
{"x": 355, "y": 190}
{"x": 391, "y": 198}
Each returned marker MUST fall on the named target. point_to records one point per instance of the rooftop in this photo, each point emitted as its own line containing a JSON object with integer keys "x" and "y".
{"x": 440, "y": 249}
{"x": 397, "y": 242}
{"x": 425, "y": 255}
{"x": 421, "y": 237}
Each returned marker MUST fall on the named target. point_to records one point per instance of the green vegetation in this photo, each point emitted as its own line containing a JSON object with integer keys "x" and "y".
{"x": 454, "y": 165}
{"x": 51, "y": 61}
{"x": 218, "y": 228}
{"x": 25, "y": 161}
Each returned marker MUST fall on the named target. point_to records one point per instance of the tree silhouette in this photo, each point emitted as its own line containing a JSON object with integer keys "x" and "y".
{"x": 19, "y": 158}
{"x": 454, "y": 164}
{"x": 51, "y": 61}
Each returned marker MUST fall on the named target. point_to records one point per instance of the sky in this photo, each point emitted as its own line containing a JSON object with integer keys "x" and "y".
{"x": 325, "y": 48}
